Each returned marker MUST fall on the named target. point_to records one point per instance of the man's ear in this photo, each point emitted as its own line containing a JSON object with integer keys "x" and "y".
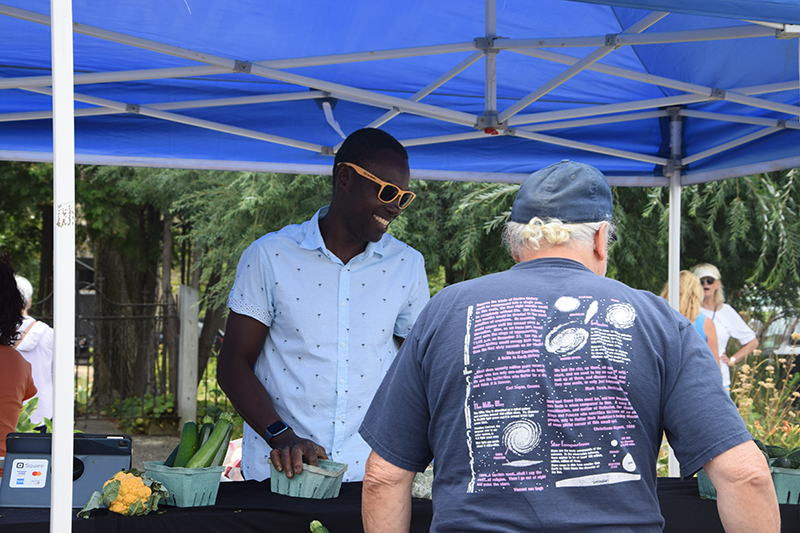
{"x": 342, "y": 177}
{"x": 513, "y": 249}
{"x": 601, "y": 242}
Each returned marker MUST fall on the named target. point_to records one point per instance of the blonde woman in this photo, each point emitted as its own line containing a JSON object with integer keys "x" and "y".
{"x": 726, "y": 320}
{"x": 691, "y": 297}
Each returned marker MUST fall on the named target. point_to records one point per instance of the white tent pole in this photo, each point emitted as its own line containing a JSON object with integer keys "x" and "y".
{"x": 165, "y": 106}
{"x": 589, "y": 147}
{"x": 733, "y": 95}
{"x": 111, "y": 77}
{"x": 428, "y": 89}
{"x": 210, "y": 59}
{"x": 563, "y": 77}
{"x": 774, "y": 25}
{"x": 607, "y": 109}
{"x": 490, "y": 55}
{"x": 360, "y": 95}
{"x": 769, "y": 88}
{"x": 594, "y": 121}
{"x": 579, "y": 66}
{"x": 624, "y": 39}
{"x": 438, "y": 139}
{"x": 120, "y": 107}
{"x": 674, "y": 261}
{"x": 63, "y": 267}
{"x": 732, "y": 144}
{"x": 741, "y": 119}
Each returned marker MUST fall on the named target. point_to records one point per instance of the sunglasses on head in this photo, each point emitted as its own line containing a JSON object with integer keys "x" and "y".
{"x": 388, "y": 192}
{"x": 707, "y": 280}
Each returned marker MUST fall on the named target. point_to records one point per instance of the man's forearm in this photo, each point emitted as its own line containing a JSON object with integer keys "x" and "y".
{"x": 750, "y": 509}
{"x": 746, "y": 497}
{"x": 386, "y": 497}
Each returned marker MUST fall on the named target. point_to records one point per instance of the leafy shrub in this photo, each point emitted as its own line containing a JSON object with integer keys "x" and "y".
{"x": 766, "y": 395}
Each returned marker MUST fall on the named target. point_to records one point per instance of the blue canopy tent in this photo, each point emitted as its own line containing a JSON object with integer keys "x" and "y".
{"x": 184, "y": 83}
{"x": 661, "y": 93}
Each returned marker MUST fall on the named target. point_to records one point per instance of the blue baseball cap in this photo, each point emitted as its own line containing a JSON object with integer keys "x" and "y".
{"x": 572, "y": 192}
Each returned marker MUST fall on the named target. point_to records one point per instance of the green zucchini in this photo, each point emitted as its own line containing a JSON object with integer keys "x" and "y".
{"x": 794, "y": 457}
{"x": 205, "y": 430}
{"x": 782, "y": 462}
{"x": 316, "y": 527}
{"x": 188, "y": 446}
{"x": 777, "y": 451}
{"x": 171, "y": 459}
{"x": 208, "y": 451}
{"x": 222, "y": 451}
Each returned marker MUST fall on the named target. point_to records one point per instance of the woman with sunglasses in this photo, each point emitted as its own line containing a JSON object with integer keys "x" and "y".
{"x": 726, "y": 320}
{"x": 691, "y": 295}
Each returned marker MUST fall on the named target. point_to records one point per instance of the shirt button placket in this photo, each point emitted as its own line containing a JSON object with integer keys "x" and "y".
{"x": 342, "y": 357}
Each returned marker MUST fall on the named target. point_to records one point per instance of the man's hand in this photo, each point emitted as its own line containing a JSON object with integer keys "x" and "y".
{"x": 288, "y": 451}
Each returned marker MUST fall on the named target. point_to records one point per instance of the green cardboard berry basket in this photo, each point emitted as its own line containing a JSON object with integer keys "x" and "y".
{"x": 318, "y": 482}
{"x": 187, "y": 487}
{"x": 786, "y": 481}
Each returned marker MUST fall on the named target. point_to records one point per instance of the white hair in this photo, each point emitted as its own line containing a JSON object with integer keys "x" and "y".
{"x": 25, "y": 288}
{"x": 551, "y": 232}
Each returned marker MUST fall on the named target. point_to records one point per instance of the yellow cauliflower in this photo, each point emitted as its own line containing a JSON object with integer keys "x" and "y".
{"x": 129, "y": 493}
{"x": 131, "y": 489}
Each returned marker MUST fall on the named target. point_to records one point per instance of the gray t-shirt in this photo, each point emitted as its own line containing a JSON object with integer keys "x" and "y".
{"x": 543, "y": 392}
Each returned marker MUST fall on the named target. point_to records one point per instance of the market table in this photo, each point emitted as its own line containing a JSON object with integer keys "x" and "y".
{"x": 250, "y": 506}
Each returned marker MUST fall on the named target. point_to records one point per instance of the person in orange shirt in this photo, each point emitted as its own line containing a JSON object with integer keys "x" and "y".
{"x": 16, "y": 379}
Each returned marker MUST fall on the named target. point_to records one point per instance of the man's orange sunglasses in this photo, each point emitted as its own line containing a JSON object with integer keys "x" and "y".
{"x": 388, "y": 192}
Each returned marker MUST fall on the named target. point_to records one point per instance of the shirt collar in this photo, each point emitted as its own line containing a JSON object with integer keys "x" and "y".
{"x": 312, "y": 239}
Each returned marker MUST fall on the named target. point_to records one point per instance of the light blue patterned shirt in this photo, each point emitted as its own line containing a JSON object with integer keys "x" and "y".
{"x": 331, "y": 333}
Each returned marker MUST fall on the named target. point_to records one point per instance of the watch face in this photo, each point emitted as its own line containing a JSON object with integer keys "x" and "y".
{"x": 276, "y": 428}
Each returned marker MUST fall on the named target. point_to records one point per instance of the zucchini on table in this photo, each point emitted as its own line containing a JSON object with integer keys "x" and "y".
{"x": 188, "y": 446}
{"x": 215, "y": 447}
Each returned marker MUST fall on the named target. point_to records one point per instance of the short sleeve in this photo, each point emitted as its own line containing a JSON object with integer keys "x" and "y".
{"x": 739, "y": 328}
{"x": 416, "y": 300}
{"x": 252, "y": 292}
{"x": 716, "y": 427}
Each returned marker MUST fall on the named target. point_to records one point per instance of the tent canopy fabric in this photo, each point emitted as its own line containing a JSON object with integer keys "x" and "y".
{"x": 476, "y": 90}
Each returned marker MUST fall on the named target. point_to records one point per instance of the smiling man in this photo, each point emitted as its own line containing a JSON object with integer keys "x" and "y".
{"x": 317, "y": 313}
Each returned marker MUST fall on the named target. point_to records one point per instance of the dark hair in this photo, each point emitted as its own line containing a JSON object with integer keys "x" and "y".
{"x": 11, "y": 303}
{"x": 362, "y": 145}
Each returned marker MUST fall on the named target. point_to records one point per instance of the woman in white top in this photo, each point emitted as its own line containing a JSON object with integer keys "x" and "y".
{"x": 726, "y": 320}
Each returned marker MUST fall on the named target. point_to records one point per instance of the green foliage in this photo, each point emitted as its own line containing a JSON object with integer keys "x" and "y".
{"x": 465, "y": 218}
{"x": 227, "y": 211}
{"x": 766, "y": 395}
{"x": 27, "y": 194}
{"x": 25, "y": 425}
{"x": 135, "y": 413}
{"x": 121, "y": 207}
{"x": 748, "y": 227}
{"x": 211, "y": 401}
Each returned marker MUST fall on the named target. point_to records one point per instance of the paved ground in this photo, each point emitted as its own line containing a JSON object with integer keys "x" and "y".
{"x": 144, "y": 447}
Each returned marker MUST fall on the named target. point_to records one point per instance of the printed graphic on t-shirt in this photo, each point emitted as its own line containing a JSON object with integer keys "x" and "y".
{"x": 546, "y": 401}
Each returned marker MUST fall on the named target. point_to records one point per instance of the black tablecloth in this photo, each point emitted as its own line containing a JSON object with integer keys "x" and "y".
{"x": 250, "y": 506}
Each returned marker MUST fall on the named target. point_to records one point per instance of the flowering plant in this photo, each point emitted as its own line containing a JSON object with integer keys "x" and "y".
{"x": 765, "y": 394}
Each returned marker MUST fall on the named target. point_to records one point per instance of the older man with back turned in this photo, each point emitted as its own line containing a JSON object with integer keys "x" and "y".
{"x": 543, "y": 391}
